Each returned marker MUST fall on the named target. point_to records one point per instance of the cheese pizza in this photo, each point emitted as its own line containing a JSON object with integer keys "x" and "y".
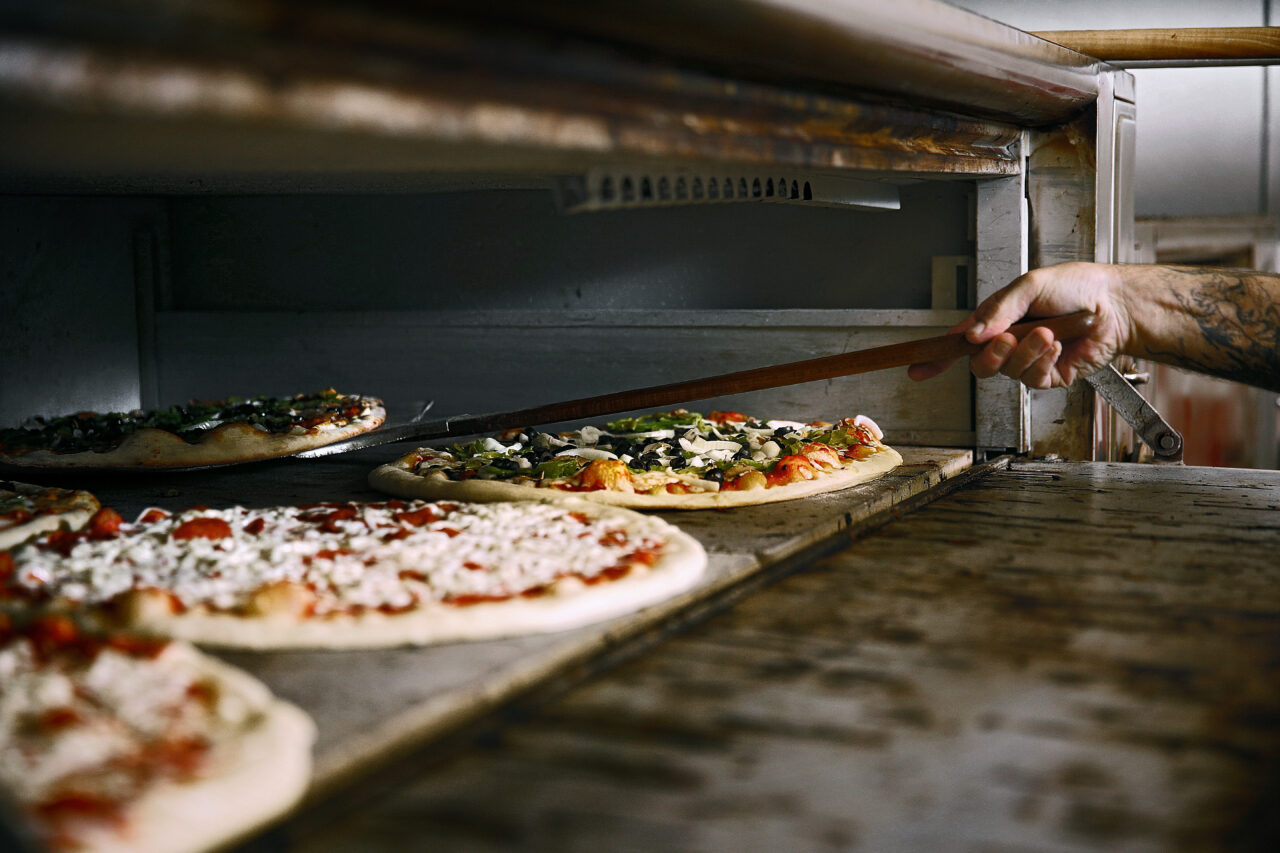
{"x": 111, "y": 742}
{"x": 345, "y": 575}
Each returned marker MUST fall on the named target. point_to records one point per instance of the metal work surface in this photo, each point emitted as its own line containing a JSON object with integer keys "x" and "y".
{"x": 928, "y": 50}
{"x": 368, "y": 705}
{"x": 271, "y": 94}
{"x": 1061, "y": 657}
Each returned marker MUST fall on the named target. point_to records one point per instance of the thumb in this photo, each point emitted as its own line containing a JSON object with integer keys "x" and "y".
{"x": 1002, "y": 309}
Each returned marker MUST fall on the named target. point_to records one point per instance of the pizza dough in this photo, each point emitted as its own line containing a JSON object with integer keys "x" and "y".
{"x": 197, "y": 435}
{"x": 114, "y": 743}
{"x": 589, "y": 463}
{"x": 358, "y": 575}
{"x": 28, "y": 510}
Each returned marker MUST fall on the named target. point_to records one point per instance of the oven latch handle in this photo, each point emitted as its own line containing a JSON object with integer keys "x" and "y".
{"x": 1154, "y": 430}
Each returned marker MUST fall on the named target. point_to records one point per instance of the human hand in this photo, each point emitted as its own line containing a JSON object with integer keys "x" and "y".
{"x": 1039, "y": 360}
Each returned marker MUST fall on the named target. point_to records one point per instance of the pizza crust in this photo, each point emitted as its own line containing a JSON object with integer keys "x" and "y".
{"x": 127, "y": 728}
{"x": 253, "y": 778}
{"x": 568, "y": 603}
{"x": 397, "y": 479}
{"x": 70, "y": 511}
{"x": 224, "y": 445}
{"x": 20, "y": 533}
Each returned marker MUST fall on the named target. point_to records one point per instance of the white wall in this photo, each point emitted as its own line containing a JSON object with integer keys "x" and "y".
{"x": 1204, "y": 145}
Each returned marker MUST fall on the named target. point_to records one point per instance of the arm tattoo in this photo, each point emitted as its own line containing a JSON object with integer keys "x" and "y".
{"x": 1239, "y": 323}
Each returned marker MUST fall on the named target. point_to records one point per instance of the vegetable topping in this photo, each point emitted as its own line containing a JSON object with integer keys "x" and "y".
{"x": 91, "y": 431}
{"x": 676, "y": 451}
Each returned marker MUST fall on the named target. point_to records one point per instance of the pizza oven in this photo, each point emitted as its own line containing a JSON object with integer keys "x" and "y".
{"x": 258, "y": 195}
{"x": 481, "y": 207}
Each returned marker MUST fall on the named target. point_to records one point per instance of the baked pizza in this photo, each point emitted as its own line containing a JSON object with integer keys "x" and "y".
{"x": 195, "y": 435}
{"x": 110, "y": 742}
{"x": 346, "y": 575}
{"x": 667, "y": 460}
{"x": 28, "y": 510}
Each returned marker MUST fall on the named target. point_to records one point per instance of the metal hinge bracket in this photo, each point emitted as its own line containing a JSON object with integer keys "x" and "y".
{"x": 1165, "y": 441}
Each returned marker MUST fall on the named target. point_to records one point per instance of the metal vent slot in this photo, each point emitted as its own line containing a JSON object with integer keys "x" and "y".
{"x": 615, "y": 189}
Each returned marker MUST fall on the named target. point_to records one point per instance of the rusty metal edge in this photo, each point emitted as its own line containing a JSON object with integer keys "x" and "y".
{"x": 437, "y": 74}
{"x": 920, "y": 50}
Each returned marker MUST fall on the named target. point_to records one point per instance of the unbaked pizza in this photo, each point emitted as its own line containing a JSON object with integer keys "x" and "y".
{"x": 344, "y": 575}
{"x": 668, "y": 460}
{"x": 111, "y": 742}
{"x": 27, "y": 510}
{"x": 195, "y": 435}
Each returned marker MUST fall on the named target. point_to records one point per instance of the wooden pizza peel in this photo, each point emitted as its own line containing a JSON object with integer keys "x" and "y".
{"x": 951, "y": 346}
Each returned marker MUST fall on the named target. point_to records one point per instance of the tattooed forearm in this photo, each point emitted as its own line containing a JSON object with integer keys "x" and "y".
{"x": 1232, "y": 326}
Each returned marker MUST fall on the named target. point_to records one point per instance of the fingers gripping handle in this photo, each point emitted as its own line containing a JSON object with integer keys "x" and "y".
{"x": 1067, "y": 327}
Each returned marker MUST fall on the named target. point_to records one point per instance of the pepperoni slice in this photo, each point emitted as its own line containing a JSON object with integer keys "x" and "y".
{"x": 153, "y": 515}
{"x": 419, "y": 517}
{"x": 613, "y": 538}
{"x": 329, "y": 521}
{"x": 62, "y": 541}
{"x": 72, "y": 804}
{"x": 52, "y": 632}
{"x": 202, "y": 528}
{"x": 55, "y": 719}
{"x": 141, "y": 647}
{"x": 105, "y": 523}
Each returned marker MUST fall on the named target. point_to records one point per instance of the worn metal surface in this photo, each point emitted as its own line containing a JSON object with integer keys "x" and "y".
{"x": 1067, "y": 657}
{"x": 1002, "y": 417}
{"x": 238, "y": 92}
{"x": 371, "y": 705}
{"x": 1062, "y": 194}
{"x": 919, "y": 49}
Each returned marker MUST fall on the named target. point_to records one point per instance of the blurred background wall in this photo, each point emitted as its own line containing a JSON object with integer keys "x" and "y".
{"x": 1207, "y": 191}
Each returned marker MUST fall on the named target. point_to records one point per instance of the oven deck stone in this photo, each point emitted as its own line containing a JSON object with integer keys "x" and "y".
{"x": 1065, "y": 657}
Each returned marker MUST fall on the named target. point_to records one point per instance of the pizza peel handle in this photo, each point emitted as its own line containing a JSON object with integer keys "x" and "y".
{"x": 1065, "y": 328}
